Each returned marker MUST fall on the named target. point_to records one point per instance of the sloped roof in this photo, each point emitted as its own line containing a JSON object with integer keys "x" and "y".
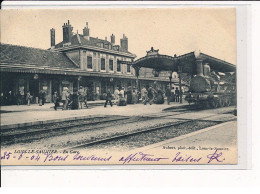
{"x": 14, "y": 54}
{"x": 187, "y": 61}
{"x": 79, "y": 39}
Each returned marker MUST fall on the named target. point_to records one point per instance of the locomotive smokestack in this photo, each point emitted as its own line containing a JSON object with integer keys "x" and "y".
{"x": 199, "y": 67}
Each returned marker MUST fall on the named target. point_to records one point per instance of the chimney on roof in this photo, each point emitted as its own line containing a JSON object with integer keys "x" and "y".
{"x": 86, "y": 30}
{"x": 106, "y": 38}
{"x": 52, "y": 31}
{"x": 124, "y": 43}
{"x": 67, "y": 32}
{"x": 113, "y": 39}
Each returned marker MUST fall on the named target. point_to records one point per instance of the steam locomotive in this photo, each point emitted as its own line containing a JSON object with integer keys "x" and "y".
{"x": 212, "y": 89}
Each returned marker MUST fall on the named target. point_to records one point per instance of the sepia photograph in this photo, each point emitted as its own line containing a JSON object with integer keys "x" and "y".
{"x": 119, "y": 86}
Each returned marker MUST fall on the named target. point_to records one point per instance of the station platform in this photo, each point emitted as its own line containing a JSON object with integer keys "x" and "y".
{"x": 221, "y": 135}
{"x": 24, "y": 115}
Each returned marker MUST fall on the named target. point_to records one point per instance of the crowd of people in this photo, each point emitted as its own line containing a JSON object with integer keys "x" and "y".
{"x": 121, "y": 96}
{"x": 72, "y": 100}
{"x": 22, "y": 98}
{"x": 148, "y": 95}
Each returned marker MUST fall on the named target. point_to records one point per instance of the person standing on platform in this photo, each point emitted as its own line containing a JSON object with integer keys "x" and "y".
{"x": 40, "y": 98}
{"x": 81, "y": 94}
{"x": 74, "y": 100}
{"x": 86, "y": 97}
{"x": 116, "y": 93}
{"x": 122, "y": 99}
{"x": 44, "y": 97}
{"x": 144, "y": 95}
{"x": 64, "y": 98}
{"x": 108, "y": 98}
{"x": 151, "y": 95}
{"x": 129, "y": 95}
{"x": 122, "y": 92}
{"x": 168, "y": 95}
{"x": 28, "y": 98}
{"x": 177, "y": 95}
{"x": 19, "y": 98}
{"x": 55, "y": 99}
{"x": 134, "y": 96}
{"x": 69, "y": 98}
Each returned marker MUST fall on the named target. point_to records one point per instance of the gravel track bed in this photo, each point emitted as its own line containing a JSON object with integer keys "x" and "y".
{"x": 29, "y": 138}
{"x": 101, "y": 132}
{"x": 61, "y": 124}
{"x": 147, "y": 138}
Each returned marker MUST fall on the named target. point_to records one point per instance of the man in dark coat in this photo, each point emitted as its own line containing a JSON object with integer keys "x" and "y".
{"x": 108, "y": 98}
{"x": 55, "y": 100}
{"x": 129, "y": 96}
{"x": 151, "y": 95}
{"x": 168, "y": 94}
{"x": 177, "y": 95}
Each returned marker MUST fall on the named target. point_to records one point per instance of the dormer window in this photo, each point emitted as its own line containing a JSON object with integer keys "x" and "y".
{"x": 106, "y": 46}
{"x": 100, "y": 44}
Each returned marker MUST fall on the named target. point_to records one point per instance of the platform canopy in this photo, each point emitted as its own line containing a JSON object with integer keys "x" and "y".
{"x": 187, "y": 61}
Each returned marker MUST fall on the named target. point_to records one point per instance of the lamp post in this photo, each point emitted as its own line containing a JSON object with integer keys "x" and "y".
{"x": 180, "y": 86}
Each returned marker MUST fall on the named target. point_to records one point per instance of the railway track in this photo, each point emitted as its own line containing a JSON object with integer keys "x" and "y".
{"x": 90, "y": 124}
{"x": 40, "y": 132}
{"x": 123, "y": 136}
{"x": 35, "y": 134}
{"x": 43, "y": 129}
{"x": 134, "y": 133}
{"x": 80, "y": 122}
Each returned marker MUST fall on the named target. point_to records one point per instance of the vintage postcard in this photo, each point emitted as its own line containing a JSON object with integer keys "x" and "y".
{"x": 119, "y": 86}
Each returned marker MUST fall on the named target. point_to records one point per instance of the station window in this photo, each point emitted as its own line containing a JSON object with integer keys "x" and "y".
{"x": 128, "y": 68}
{"x": 89, "y": 62}
{"x": 103, "y": 64}
{"x": 111, "y": 63}
{"x": 118, "y": 67}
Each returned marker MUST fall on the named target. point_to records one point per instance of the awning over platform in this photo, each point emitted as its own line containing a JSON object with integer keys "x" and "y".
{"x": 187, "y": 62}
{"x": 17, "y": 68}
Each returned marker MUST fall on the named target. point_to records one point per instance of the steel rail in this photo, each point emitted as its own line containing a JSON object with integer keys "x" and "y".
{"x": 112, "y": 138}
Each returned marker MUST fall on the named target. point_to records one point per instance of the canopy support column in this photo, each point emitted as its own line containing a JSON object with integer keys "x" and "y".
{"x": 170, "y": 77}
{"x": 78, "y": 80}
{"x": 137, "y": 76}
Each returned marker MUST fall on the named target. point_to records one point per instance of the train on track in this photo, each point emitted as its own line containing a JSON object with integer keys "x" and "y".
{"x": 212, "y": 89}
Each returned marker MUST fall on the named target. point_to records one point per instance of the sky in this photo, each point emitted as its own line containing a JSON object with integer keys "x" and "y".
{"x": 171, "y": 30}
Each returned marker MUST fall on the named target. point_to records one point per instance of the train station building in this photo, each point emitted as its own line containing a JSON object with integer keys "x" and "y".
{"x": 79, "y": 60}
{"x": 94, "y": 63}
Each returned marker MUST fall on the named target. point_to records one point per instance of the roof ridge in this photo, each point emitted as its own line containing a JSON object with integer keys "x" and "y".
{"x": 30, "y": 47}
